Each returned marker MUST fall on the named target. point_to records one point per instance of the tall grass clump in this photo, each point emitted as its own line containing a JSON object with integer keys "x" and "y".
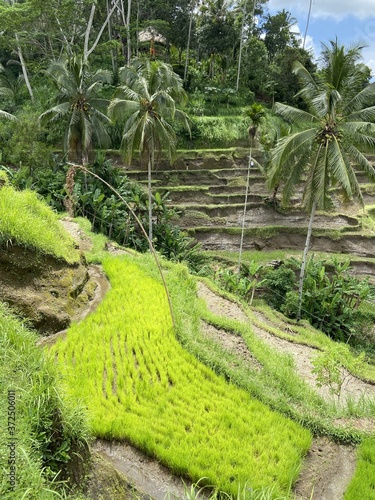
{"x": 28, "y": 221}
{"x": 40, "y": 432}
{"x": 139, "y": 384}
{"x": 362, "y": 486}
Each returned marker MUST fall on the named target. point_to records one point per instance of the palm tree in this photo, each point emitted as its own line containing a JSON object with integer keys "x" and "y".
{"x": 79, "y": 107}
{"x": 334, "y": 134}
{"x": 147, "y": 100}
{"x": 256, "y": 114}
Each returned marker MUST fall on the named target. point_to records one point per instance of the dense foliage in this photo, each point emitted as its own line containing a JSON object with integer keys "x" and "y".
{"x": 334, "y": 301}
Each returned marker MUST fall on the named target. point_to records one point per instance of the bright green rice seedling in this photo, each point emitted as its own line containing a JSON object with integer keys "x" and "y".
{"x": 29, "y": 222}
{"x": 140, "y": 385}
{"x": 362, "y": 485}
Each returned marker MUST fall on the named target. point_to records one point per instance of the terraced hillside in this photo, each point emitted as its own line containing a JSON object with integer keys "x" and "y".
{"x": 209, "y": 194}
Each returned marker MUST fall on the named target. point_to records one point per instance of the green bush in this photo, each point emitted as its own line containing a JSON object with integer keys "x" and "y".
{"x": 331, "y": 300}
{"x": 278, "y": 282}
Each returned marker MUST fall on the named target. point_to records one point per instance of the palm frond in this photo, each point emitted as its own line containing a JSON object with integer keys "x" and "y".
{"x": 339, "y": 167}
{"x": 287, "y": 150}
{"x": 362, "y": 115}
{"x": 56, "y": 112}
{"x": 294, "y": 115}
{"x": 361, "y": 162}
{"x": 120, "y": 108}
{"x": 7, "y": 116}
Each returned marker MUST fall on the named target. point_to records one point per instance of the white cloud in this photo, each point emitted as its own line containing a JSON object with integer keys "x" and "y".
{"x": 311, "y": 46}
{"x": 361, "y": 9}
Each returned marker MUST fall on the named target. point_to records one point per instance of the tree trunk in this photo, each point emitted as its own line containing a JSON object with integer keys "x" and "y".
{"x": 113, "y": 51}
{"x": 188, "y": 41}
{"x": 307, "y": 25}
{"x": 128, "y": 38}
{"x": 150, "y": 167}
{"x": 245, "y": 210}
{"x": 241, "y": 45}
{"x": 137, "y": 28}
{"x": 304, "y": 260}
{"x": 86, "y": 50}
{"x": 24, "y": 69}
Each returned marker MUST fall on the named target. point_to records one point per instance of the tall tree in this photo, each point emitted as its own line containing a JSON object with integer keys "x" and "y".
{"x": 277, "y": 33}
{"x": 147, "y": 103}
{"x": 256, "y": 114}
{"x": 79, "y": 106}
{"x": 218, "y": 33}
{"x": 338, "y": 130}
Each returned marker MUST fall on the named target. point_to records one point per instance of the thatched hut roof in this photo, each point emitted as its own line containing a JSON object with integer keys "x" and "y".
{"x": 150, "y": 34}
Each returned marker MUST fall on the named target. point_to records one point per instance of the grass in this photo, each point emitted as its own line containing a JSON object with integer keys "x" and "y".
{"x": 27, "y": 221}
{"x": 140, "y": 385}
{"x": 305, "y": 334}
{"x": 362, "y": 485}
{"x": 45, "y": 424}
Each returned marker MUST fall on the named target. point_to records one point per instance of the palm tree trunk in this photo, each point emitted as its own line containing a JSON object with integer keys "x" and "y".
{"x": 24, "y": 69}
{"x": 304, "y": 260}
{"x": 137, "y": 29}
{"x": 241, "y": 45}
{"x": 150, "y": 167}
{"x": 244, "y": 210}
{"x": 188, "y": 40}
{"x": 113, "y": 51}
{"x": 307, "y": 25}
{"x": 128, "y": 38}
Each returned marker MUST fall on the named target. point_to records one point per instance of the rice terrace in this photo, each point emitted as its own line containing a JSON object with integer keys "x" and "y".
{"x": 187, "y": 269}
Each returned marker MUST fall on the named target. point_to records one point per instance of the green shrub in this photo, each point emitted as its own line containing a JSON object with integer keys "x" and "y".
{"x": 331, "y": 299}
{"x": 278, "y": 282}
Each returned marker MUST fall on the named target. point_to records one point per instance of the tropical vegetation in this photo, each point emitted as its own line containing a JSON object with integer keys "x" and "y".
{"x": 147, "y": 80}
{"x": 336, "y": 132}
{"x": 149, "y": 93}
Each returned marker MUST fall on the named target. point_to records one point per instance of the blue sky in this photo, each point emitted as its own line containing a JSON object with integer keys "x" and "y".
{"x": 351, "y": 21}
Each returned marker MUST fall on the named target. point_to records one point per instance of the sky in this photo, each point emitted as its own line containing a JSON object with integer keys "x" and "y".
{"x": 351, "y": 21}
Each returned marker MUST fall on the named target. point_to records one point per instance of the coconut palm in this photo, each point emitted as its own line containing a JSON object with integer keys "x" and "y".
{"x": 256, "y": 113}
{"x": 334, "y": 135}
{"x": 147, "y": 102}
{"x": 79, "y": 107}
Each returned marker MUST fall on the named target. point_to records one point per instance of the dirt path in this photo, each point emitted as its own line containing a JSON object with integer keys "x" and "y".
{"x": 327, "y": 471}
{"x": 302, "y": 355}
